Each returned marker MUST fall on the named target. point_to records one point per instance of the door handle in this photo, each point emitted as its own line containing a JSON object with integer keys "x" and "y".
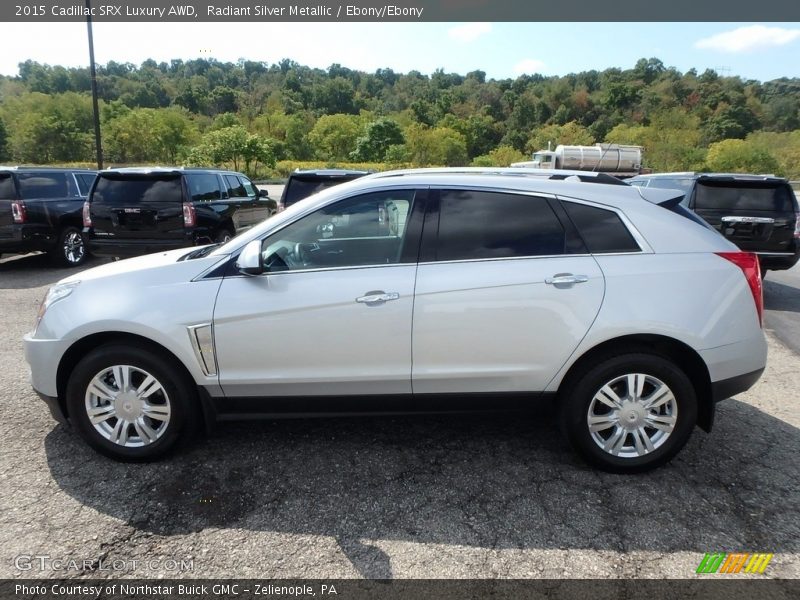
{"x": 377, "y": 297}
{"x": 566, "y": 279}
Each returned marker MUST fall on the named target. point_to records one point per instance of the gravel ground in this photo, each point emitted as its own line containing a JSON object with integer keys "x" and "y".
{"x": 421, "y": 497}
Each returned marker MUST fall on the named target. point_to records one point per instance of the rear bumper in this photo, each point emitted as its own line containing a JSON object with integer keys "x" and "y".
{"x": 26, "y": 237}
{"x": 727, "y": 388}
{"x": 129, "y": 248}
{"x": 778, "y": 261}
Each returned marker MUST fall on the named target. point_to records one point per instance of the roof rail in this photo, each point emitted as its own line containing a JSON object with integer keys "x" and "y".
{"x": 585, "y": 176}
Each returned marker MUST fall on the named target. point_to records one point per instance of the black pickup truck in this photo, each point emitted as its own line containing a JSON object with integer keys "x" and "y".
{"x": 40, "y": 210}
{"x": 141, "y": 210}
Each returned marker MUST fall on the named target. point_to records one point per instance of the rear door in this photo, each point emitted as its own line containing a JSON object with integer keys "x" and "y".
{"x": 757, "y": 215}
{"x": 504, "y": 296}
{"x": 138, "y": 206}
{"x": 242, "y": 206}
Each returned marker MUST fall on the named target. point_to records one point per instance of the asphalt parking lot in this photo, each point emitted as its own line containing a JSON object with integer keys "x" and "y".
{"x": 432, "y": 496}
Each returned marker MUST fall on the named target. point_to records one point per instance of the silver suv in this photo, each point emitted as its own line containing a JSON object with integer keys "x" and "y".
{"x": 422, "y": 289}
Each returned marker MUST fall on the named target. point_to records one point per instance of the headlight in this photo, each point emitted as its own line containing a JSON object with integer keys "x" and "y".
{"x": 54, "y": 294}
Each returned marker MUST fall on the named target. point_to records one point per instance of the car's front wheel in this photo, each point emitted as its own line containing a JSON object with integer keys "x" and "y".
{"x": 629, "y": 413}
{"x": 128, "y": 402}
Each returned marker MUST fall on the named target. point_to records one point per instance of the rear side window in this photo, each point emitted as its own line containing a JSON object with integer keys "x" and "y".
{"x": 481, "y": 225}
{"x": 203, "y": 187}
{"x": 602, "y": 230}
{"x": 235, "y": 187}
{"x": 6, "y": 187}
{"x": 43, "y": 185}
{"x": 738, "y": 195}
{"x": 131, "y": 191}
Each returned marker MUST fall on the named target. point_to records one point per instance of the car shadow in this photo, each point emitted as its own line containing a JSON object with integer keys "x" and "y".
{"x": 492, "y": 481}
{"x": 779, "y": 296}
{"x": 36, "y": 270}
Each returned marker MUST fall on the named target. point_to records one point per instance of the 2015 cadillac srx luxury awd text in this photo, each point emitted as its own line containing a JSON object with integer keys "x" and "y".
{"x": 418, "y": 290}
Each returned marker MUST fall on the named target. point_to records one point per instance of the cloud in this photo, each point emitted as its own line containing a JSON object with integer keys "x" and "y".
{"x": 469, "y": 32}
{"x": 529, "y": 65}
{"x": 748, "y": 39}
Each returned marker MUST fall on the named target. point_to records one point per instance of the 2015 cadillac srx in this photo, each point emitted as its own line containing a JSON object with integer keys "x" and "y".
{"x": 417, "y": 290}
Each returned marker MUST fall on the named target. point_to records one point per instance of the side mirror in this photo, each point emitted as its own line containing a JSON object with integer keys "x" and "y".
{"x": 250, "y": 261}
{"x": 263, "y": 193}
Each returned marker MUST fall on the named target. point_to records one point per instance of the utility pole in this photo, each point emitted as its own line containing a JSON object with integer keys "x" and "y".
{"x": 93, "y": 71}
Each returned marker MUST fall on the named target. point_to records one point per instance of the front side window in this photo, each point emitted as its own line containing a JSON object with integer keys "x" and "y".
{"x": 483, "y": 225}
{"x": 360, "y": 231}
{"x": 249, "y": 188}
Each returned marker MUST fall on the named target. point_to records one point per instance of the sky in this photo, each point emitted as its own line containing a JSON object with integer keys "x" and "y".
{"x": 750, "y": 50}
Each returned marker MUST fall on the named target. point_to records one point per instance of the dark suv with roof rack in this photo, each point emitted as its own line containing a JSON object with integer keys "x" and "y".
{"x": 40, "y": 210}
{"x": 138, "y": 211}
{"x": 304, "y": 183}
{"x": 758, "y": 213}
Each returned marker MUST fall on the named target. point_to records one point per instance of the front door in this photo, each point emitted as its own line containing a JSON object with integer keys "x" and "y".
{"x": 332, "y": 316}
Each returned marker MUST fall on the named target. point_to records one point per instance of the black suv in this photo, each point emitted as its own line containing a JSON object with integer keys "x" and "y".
{"x": 40, "y": 210}
{"x": 138, "y": 211}
{"x": 758, "y": 213}
{"x": 304, "y": 183}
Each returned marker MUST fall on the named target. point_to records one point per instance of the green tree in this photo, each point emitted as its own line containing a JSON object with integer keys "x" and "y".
{"x": 502, "y": 156}
{"x": 334, "y": 137}
{"x": 740, "y": 156}
{"x": 378, "y": 136}
{"x": 436, "y": 146}
{"x": 569, "y": 134}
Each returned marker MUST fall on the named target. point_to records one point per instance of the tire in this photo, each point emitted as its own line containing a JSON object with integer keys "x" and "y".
{"x": 135, "y": 426}
{"x": 223, "y": 236}
{"x": 629, "y": 435}
{"x": 70, "y": 249}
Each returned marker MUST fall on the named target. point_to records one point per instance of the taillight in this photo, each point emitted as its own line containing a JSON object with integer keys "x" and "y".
{"x": 189, "y": 215}
{"x": 18, "y": 212}
{"x": 87, "y": 214}
{"x": 748, "y": 263}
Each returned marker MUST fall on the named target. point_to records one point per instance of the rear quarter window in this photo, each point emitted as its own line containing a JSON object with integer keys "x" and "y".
{"x": 33, "y": 186}
{"x": 6, "y": 187}
{"x": 602, "y": 230}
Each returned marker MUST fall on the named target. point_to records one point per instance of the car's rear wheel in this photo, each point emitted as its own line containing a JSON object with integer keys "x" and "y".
{"x": 224, "y": 236}
{"x": 629, "y": 413}
{"x": 128, "y": 402}
{"x": 70, "y": 250}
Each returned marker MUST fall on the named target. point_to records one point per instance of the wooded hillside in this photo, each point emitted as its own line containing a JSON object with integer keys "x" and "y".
{"x": 251, "y": 115}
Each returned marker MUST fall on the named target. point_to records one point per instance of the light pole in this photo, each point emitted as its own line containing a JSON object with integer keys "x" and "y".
{"x": 93, "y": 71}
